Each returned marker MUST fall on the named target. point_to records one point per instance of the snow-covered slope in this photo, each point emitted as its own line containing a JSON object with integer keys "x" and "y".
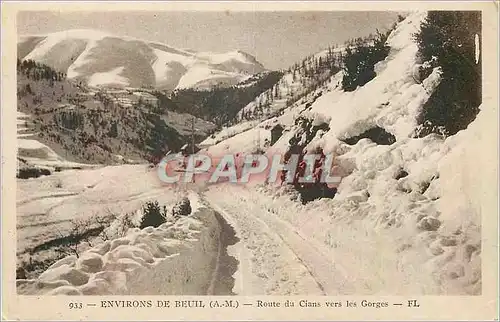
{"x": 165, "y": 257}
{"x": 406, "y": 218}
{"x": 105, "y": 59}
{"x": 419, "y": 193}
{"x": 290, "y": 88}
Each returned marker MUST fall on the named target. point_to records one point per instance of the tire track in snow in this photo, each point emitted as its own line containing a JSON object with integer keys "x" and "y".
{"x": 345, "y": 282}
{"x": 276, "y": 268}
{"x": 332, "y": 278}
{"x": 301, "y": 260}
{"x": 319, "y": 261}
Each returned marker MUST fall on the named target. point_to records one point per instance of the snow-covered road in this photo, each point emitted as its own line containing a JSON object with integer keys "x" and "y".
{"x": 275, "y": 257}
{"x": 269, "y": 263}
{"x": 281, "y": 256}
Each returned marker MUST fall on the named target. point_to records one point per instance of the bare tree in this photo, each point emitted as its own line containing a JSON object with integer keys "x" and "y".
{"x": 70, "y": 243}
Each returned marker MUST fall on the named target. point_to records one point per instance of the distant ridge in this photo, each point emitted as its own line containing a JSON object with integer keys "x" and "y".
{"x": 103, "y": 59}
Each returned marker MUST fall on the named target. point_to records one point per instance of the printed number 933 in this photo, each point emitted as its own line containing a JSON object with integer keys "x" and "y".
{"x": 75, "y": 305}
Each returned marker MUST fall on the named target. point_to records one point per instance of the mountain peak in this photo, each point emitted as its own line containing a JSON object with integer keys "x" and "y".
{"x": 74, "y": 33}
{"x": 101, "y": 58}
{"x": 246, "y": 55}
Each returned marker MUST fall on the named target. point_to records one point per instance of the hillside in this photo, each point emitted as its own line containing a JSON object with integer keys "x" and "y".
{"x": 306, "y": 81}
{"x": 99, "y": 126}
{"x": 99, "y": 58}
{"x": 221, "y": 105}
{"x": 397, "y": 181}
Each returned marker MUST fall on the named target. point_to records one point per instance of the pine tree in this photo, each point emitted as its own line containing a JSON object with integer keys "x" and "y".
{"x": 450, "y": 37}
{"x": 152, "y": 215}
{"x": 359, "y": 61}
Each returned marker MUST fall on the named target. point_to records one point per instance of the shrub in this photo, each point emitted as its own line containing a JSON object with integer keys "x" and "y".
{"x": 447, "y": 39}
{"x": 83, "y": 230}
{"x": 152, "y": 215}
{"x": 182, "y": 208}
{"x": 25, "y": 173}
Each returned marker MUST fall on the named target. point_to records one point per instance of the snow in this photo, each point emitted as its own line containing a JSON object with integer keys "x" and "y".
{"x": 352, "y": 113}
{"x": 430, "y": 241}
{"x": 247, "y": 141}
{"x": 228, "y": 132}
{"x": 147, "y": 261}
{"x": 54, "y": 38}
{"x": 288, "y": 87}
{"x": 53, "y": 201}
{"x": 171, "y": 68}
{"x": 33, "y": 144}
{"x": 201, "y": 76}
{"x": 111, "y": 77}
{"x": 267, "y": 265}
{"x": 394, "y": 108}
{"x": 427, "y": 223}
{"x": 92, "y": 37}
{"x": 320, "y": 254}
{"x": 221, "y": 58}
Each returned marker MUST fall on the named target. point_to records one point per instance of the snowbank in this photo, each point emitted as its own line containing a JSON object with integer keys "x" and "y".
{"x": 46, "y": 206}
{"x": 175, "y": 258}
{"x": 419, "y": 201}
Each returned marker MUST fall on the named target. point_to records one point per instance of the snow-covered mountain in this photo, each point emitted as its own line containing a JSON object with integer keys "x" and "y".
{"x": 100, "y": 58}
{"x": 408, "y": 211}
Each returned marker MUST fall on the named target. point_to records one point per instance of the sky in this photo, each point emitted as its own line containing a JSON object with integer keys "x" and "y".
{"x": 277, "y": 39}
